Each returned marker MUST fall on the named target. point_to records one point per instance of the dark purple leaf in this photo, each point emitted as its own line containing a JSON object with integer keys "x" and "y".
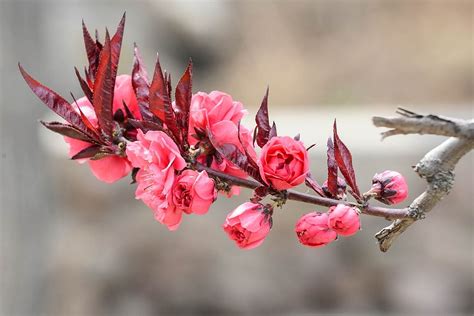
{"x": 263, "y": 123}
{"x": 92, "y": 50}
{"x": 158, "y": 95}
{"x": 311, "y": 183}
{"x": 104, "y": 90}
{"x": 55, "y": 102}
{"x": 140, "y": 84}
{"x": 116, "y": 45}
{"x": 332, "y": 169}
{"x": 260, "y": 193}
{"x": 67, "y": 130}
{"x": 84, "y": 86}
{"x": 344, "y": 161}
{"x": 273, "y": 131}
{"x": 87, "y": 152}
{"x": 183, "y": 96}
{"x": 146, "y": 126}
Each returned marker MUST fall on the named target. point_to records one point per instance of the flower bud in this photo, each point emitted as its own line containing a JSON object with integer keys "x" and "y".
{"x": 344, "y": 219}
{"x": 389, "y": 187}
{"x": 341, "y": 189}
{"x": 248, "y": 225}
{"x": 312, "y": 230}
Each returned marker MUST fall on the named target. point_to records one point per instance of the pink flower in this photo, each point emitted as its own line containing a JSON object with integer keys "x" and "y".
{"x": 210, "y": 109}
{"x": 216, "y": 113}
{"x": 389, "y": 187}
{"x": 283, "y": 163}
{"x": 312, "y": 230}
{"x": 344, "y": 219}
{"x": 194, "y": 192}
{"x": 154, "y": 189}
{"x": 111, "y": 168}
{"x": 247, "y": 225}
{"x": 158, "y": 158}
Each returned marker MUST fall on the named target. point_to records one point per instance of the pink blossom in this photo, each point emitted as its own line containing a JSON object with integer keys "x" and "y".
{"x": 154, "y": 189}
{"x": 312, "y": 230}
{"x": 110, "y": 168}
{"x": 216, "y": 113}
{"x": 283, "y": 163}
{"x": 247, "y": 225}
{"x": 212, "y": 108}
{"x": 344, "y": 219}
{"x": 158, "y": 158}
{"x": 194, "y": 192}
{"x": 389, "y": 187}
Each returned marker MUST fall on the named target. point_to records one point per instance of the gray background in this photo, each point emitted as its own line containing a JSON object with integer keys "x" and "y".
{"x": 71, "y": 245}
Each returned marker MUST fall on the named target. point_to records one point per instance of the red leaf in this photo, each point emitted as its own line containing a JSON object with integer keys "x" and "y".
{"x": 116, "y": 45}
{"x": 344, "y": 161}
{"x": 55, "y": 102}
{"x": 263, "y": 125}
{"x": 85, "y": 87}
{"x": 104, "y": 90}
{"x": 140, "y": 84}
{"x": 146, "y": 126}
{"x": 183, "y": 96}
{"x": 332, "y": 169}
{"x": 158, "y": 95}
{"x": 87, "y": 152}
{"x": 92, "y": 50}
{"x": 67, "y": 130}
{"x": 311, "y": 183}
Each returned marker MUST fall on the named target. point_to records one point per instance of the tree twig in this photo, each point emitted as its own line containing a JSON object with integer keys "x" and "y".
{"x": 308, "y": 198}
{"x": 413, "y": 123}
{"x": 436, "y": 167}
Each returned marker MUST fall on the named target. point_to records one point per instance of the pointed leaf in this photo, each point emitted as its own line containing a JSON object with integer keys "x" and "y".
{"x": 311, "y": 183}
{"x": 116, "y": 45}
{"x": 344, "y": 161}
{"x": 67, "y": 130}
{"x": 183, "y": 96}
{"x": 158, "y": 95}
{"x": 92, "y": 50}
{"x": 263, "y": 123}
{"x": 87, "y": 152}
{"x": 55, "y": 102}
{"x": 140, "y": 84}
{"x": 104, "y": 90}
{"x": 84, "y": 86}
{"x": 146, "y": 126}
{"x": 332, "y": 169}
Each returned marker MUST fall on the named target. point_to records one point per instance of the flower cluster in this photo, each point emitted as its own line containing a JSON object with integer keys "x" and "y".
{"x": 182, "y": 149}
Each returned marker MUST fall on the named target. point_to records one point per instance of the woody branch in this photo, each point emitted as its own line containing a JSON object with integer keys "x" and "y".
{"x": 436, "y": 167}
{"x": 308, "y": 198}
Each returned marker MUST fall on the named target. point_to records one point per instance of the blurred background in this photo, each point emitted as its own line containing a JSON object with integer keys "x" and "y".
{"x": 71, "y": 245}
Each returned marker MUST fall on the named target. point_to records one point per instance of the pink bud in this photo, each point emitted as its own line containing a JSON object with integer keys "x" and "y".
{"x": 390, "y": 187}
{"x": 248, "y": 225}
{"x": 344, "y": 219}
{"x": 312, "y": 230}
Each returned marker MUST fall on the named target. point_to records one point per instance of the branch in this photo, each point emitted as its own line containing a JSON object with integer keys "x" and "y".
{"x": 308, "y": 198}
{"x": 413, "y": 123}
{"x": 437, "y": 166}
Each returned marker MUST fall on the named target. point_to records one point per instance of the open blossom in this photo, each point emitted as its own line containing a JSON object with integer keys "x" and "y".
{"x": 247, "y": 225}
{"x": 194, "y": 192}
{"x": 216, "y": 113}
{"x": 283, "y": 162}
{"x": 158, "y": 158}
{"x": 312, "y": 230}
{"x": 344, "y": 219}
{"x": 389, "y": 187}
{"x": 111, "y": 168}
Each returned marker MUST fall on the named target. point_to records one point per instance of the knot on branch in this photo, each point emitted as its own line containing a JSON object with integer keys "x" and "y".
{"x": 441, "y": 182}
{"x": 416, "y": 213}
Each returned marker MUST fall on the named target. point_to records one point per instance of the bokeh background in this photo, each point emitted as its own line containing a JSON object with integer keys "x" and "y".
{"x": 71, "y": 245}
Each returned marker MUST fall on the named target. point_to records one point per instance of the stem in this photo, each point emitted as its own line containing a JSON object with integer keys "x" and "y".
{"x": 308, "y": 198}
